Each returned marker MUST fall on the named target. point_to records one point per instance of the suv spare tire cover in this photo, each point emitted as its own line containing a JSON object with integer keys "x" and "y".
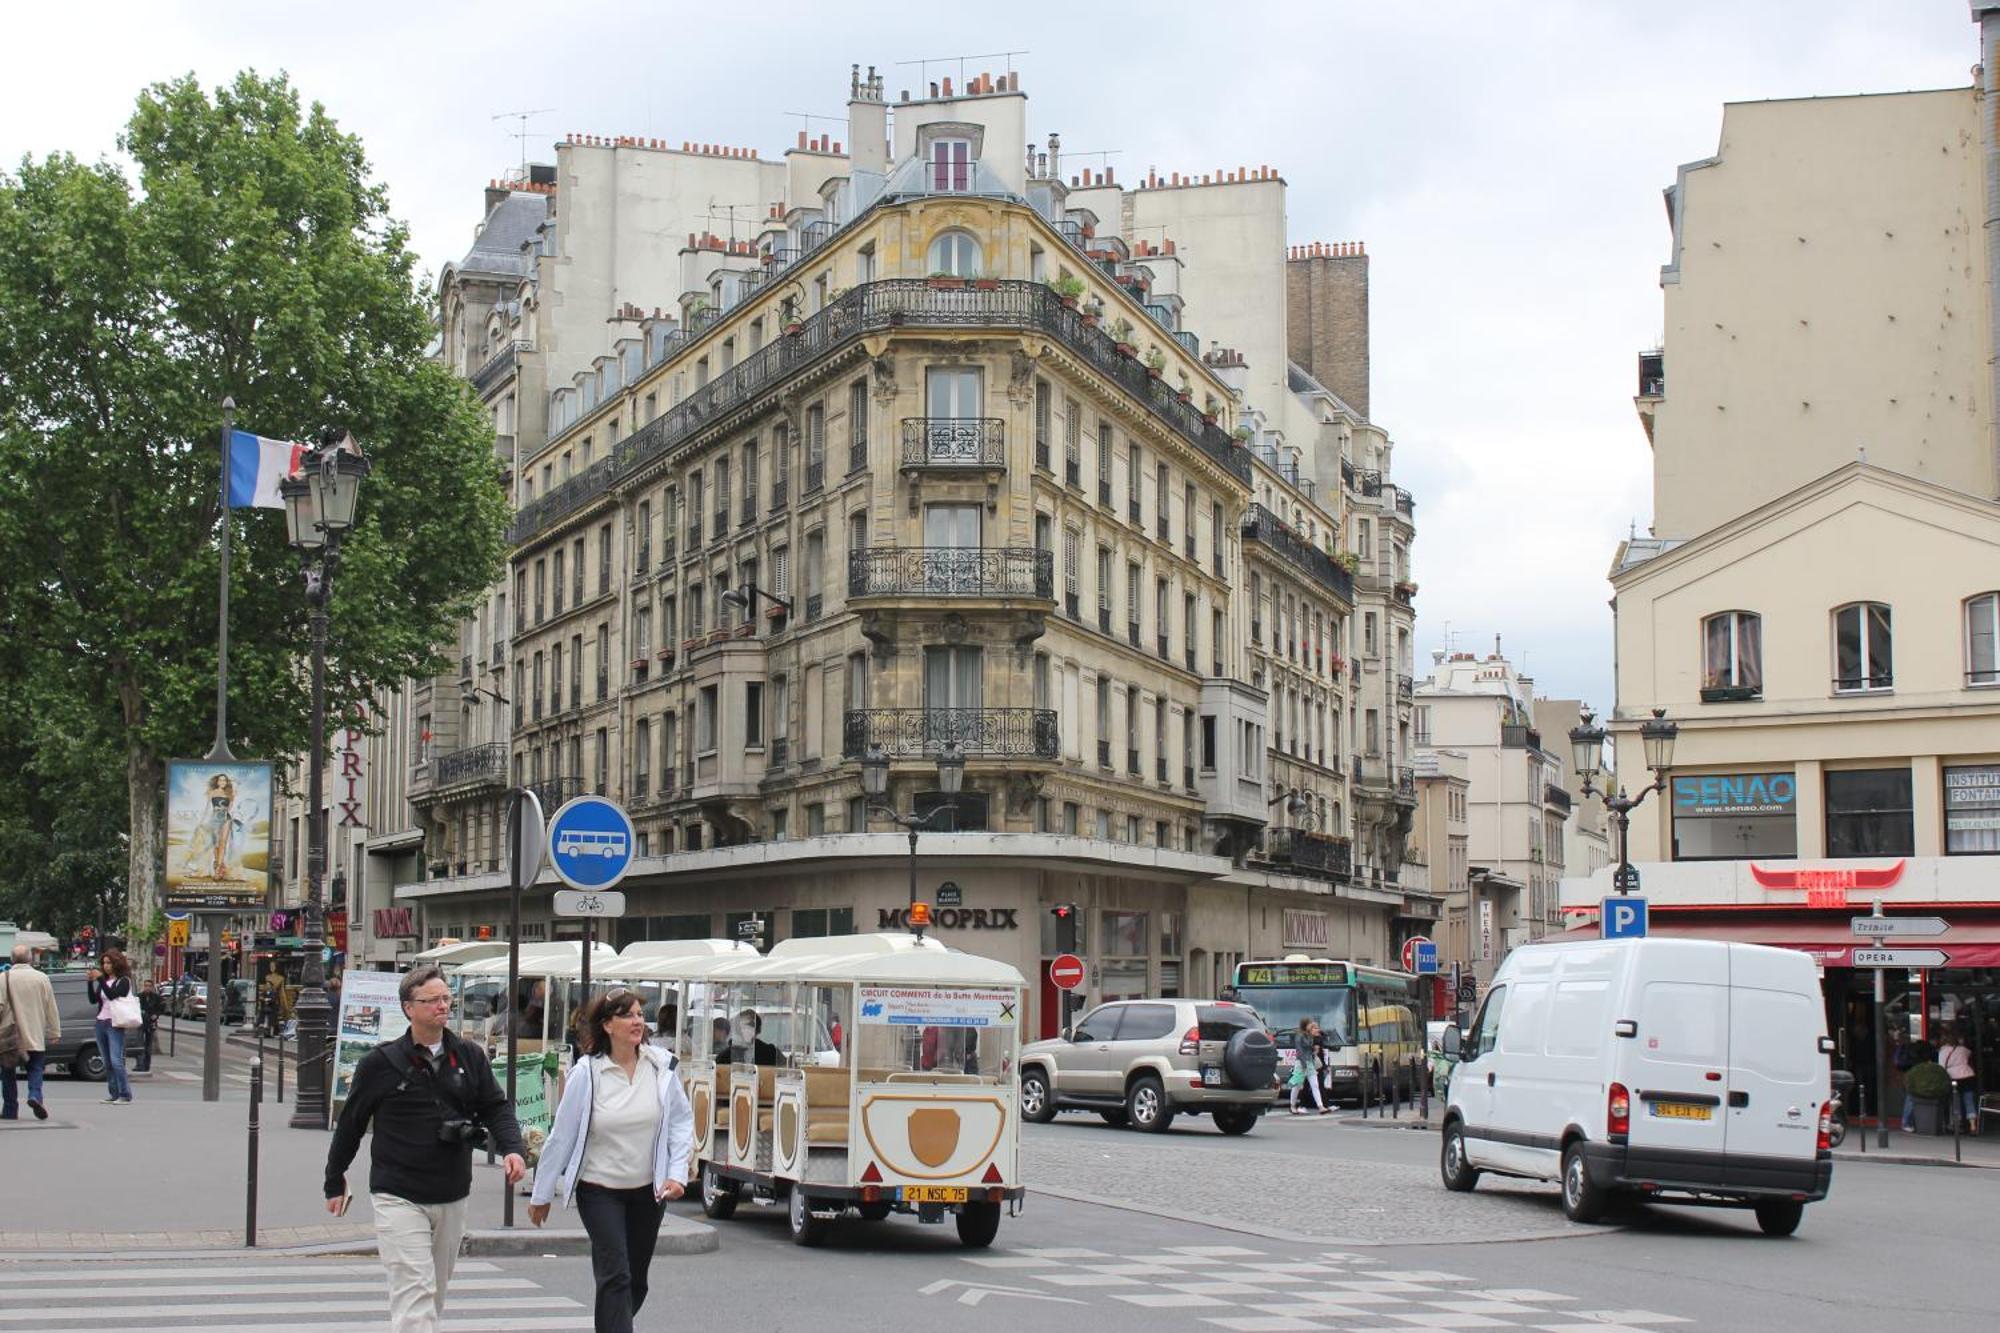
{"x": 1251, "y": 1058}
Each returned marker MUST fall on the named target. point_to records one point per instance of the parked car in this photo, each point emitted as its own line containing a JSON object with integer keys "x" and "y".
{"x": 239, "y": 997}
{"x": 1662, "y": 1069}
{"x": 76, "y": 1049}
{"x": 1142, "y": 1062}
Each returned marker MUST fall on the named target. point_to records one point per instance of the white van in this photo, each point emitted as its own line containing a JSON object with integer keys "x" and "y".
{"x": 1684, "y": 1070}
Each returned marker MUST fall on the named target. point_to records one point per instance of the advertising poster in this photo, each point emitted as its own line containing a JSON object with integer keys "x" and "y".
{"x": 531, "y": 1097}
{"x": 218, "y": 835}
{"x": 370, "y": 1014}
{"x": 954, "y": 1008}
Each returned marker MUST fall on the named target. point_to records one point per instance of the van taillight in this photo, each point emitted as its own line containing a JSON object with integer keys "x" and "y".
{"x": 1191, "y": 1041}
{"x": 1618, "y": 1119}
{"x": 1825, "y": 1143}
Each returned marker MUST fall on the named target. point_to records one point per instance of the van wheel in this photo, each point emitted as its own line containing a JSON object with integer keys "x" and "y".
{"x": 1235, "y": 1121}
{"x": 1116, "y": 1117}
{"x": 1146, "y": 1103}
{"x": 1583, "y": 1201}
{"x": 806, "y": 1229}
{"x": 1459, "y": 1174}
{"x": 1780, "y": 1217}
{"x": 1037, "y": 1105}
{"x": 978, "y": 1224}
{"x": 718, "y": 1196}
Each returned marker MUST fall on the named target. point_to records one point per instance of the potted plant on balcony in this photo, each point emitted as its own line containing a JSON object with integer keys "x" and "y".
{"x": 665, "y": 654}
{"x": 698, "y": 309}
{"x": 1121, "y": 334}
{"x": 1930, "y": 1089}
{"x": 986, "y": 284}
{"x": 1347, "y": 560}
{"x": 1406, "y": 589}
{"x": 1186, "y": 392}
{"x": 639, "y": 663}
{"x": 1156, "y": 362}
{"x": 1241, "y": 434}
{"x": 946, "y": 282}
{"x": 1069, "y": 289}
{"x": 1338, "y": 664}
{"x": 689, "y": 645}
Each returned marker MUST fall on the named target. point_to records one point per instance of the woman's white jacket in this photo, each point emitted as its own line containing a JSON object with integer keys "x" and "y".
{"x": 562, "y": 1155}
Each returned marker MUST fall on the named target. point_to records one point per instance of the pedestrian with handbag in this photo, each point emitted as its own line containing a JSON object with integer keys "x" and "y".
{"x": 29, "y": 1025}
{"x": 109, "y": 987}
{"x": 618, "y": 1151}
{"x": 1305, "y": 1074}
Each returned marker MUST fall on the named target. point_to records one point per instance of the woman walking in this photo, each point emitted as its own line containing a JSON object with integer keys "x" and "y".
{"x": 618, "y": 1151}
{"x": 1305, "y": 1074}
{"x": 111, "y": 980}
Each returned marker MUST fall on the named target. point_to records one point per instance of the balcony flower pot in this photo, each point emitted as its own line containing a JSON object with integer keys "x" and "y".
{"x": 1127, "y": 349}
{"x": 1184, "y": 396}
{"x": 1209, "y": 417}
{"x": 689, "y": 645}
{"x": 1069, "y": 302}
{"x": 745, "y": 630}
{"x": 943, "y": 283}
{"x": 775, "y": 612}
{"x": 1090, "y": 318}
{"x": 638, "y": 664}
{"x": 1152, "y": 372}
{"x": 986, "y": 284}
{"x": 794, "y": 329}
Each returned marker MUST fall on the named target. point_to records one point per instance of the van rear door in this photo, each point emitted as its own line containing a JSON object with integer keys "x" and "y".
{"x": 1675, "y": 1065}
{"x": 1777, "y": 1075}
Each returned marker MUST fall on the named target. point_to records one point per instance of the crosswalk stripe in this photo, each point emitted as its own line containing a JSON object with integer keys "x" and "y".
{"x": 377, "y": 1306}
{"x": 97, "y": 1275}
{"x": 14, "y": 1293}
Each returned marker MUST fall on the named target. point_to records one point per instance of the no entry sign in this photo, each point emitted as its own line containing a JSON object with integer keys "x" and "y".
{"x": 1067, "y": 972}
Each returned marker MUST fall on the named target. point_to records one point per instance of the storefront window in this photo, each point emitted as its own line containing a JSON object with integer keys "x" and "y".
{"x": 818, "y": 922}
{"x": 1733, "y": 816}
{"x": 1972, "y": 810}
{"x": 1125, "y": 952}
{"x": 1868, "y": 813}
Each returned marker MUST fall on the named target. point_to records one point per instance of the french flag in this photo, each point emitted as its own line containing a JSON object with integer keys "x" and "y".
{"x": 256, "y": 466}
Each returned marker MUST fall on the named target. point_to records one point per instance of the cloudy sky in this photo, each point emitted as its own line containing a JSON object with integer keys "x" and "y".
{"x": 1503, "y": 161}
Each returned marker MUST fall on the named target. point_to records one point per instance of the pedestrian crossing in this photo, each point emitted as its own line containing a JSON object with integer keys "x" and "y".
{"x": 230, "y": 1296}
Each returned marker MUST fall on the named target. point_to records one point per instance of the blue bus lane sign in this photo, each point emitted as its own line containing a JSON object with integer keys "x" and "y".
{"x": 591, "y": 842}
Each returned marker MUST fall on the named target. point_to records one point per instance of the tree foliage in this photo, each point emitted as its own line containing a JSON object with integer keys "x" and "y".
{"x": 253, "y": 257}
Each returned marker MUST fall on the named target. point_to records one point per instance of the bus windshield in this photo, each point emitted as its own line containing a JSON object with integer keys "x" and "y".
{"x": 1332, "y": 1007}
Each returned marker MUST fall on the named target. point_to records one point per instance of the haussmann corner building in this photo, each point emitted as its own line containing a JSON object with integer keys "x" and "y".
{"x": 1067, "y": 479}
{"x": 1816, "y": 603}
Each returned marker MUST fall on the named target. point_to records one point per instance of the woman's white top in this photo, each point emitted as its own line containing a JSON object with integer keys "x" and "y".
{"x": 575, "y": 1130}
{"x": 624, "y": 1125}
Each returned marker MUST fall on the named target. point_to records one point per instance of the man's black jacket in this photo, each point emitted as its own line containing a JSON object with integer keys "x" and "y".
{"x": 408, "y": 1160}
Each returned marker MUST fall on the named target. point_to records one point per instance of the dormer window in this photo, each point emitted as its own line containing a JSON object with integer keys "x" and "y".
{"x": 951, "y": 165}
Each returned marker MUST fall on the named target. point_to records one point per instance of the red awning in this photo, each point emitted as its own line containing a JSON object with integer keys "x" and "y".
{"x": 1828, "y": 939}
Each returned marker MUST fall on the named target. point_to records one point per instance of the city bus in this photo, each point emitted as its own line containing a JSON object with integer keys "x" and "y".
{"x": 1372, "y": 1012}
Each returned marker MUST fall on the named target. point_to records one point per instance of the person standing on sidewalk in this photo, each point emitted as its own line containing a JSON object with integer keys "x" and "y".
{"x": 111, "y": 980}
{"x": 1956, "y": 1057}
{"x": 432, "y": 1100}
{"x": 28, "y": 1006}
{"x": 618, "y": 1151}
{"x": 151, "y": 1006}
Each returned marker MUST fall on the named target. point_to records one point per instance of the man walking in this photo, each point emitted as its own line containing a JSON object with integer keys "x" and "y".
{"x": 28, "y": 1011}
{"x": 432, "y": 1100}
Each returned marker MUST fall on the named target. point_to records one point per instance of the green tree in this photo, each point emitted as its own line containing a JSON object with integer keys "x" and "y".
{"x": 253, "y": 257}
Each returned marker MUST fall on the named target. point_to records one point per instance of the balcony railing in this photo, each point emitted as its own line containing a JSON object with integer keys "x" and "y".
{"x": 694, "y": 537}
{"x": 498, "y": 366}
{"x": 975, "y": 442}
{"x": 815, "y": 603}
{"x": 781, "y": 492}
{"x": 465, "y": 667}
{"x": 669, "y": 548}
{"x": 1104, "y": 754}
{"x": 476, "y": 763}
{"x": 951, "y": 571}
{"x": 1556, "y": 796}
{"x": 1070, "y": 601}
{"x": 1073, "y": 473}
{"x": 1261, "y": 525}
{"x": 498, "y": 650}
{"x": 781, "y": 751}
{"x": 1042, "y": 454}
{"x": 815, "y": 476}
{"x": 1103, "y": 619}
{"x": 1132, "y": 762}
{"x": 977, "y": 732}
{"x": 552, "y": 792}
{"x": 901, "y": 303}
{"x": 1104, "y": 492}
{"x": 746, "y": 513}
{"x": 1519, "y": 736}
{"x": 1313, "y": 853}
{"x": 857, "y": 456}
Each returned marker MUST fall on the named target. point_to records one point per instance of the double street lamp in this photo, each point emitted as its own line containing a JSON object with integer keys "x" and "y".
{"x": 1586, "y": 741}
{"x": 320, "y": 503}
{"x": 875, "y": 782}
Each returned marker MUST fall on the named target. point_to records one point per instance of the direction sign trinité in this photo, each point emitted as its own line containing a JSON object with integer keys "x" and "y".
{"x": 1908, "y": 927}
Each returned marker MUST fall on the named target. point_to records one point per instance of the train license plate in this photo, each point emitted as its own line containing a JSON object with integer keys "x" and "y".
{"x": 1681, "y": 1110}
{"x": 934, "y": 1194}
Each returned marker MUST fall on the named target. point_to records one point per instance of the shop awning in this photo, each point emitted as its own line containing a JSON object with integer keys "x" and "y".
{"x": 1828, "y": 939}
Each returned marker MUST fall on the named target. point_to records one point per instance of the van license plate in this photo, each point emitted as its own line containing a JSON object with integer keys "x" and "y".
{"x": 1681, "y": 1110}
{"x": 934, "y": 1194}
{"x": 1211, "y": 1076}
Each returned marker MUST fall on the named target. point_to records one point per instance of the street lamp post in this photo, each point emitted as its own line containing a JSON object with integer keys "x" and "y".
{"x": 1586, "y": 740}
{"x": 875, "y": 781}
{"x": 319, "y": 510}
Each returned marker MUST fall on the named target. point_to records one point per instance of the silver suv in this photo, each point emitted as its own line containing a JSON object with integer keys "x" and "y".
{"x": 1142, "y": 1062}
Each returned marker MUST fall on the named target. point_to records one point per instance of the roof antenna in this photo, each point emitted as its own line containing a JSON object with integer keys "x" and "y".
{"x": 522, "y": 133}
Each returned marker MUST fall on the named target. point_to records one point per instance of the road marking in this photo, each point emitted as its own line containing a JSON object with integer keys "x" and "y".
{"x": 290, "y": 1288}
{"x": 1169, "y": 1300}
{"x": 377, "y": 1305}
{"x": 97, "y": 1274}
{"x": 976, "y": 1292}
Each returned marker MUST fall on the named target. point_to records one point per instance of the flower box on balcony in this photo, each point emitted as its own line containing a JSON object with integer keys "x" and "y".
{"x": 943, "y": 283}
{"x": 1185, "y": 397}
{"x": 775, "y": 612}
{"x": 1406, "y": 588}
{"x": 665, "y": 654}
{"x": 986, "y": 284}
{"x": 639, "y": 664}
{"x": 689, "y": 645}
{"x": 745, "y": 630}
{"x": 794, "y": 329}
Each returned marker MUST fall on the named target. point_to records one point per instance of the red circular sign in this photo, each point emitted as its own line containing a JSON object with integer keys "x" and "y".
{"x": 1067, "y": 972}
{"x": 1410, "y": 951}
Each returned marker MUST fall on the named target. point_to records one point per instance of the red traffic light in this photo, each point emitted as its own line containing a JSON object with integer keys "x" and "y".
{"x": 1063, "y": 911}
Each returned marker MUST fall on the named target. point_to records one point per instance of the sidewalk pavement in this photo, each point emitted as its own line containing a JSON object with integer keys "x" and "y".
{"x": 168, "y": 1174}
{"x": 1903, "y": 1150}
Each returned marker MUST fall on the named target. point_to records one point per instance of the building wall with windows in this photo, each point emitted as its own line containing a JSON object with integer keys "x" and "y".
{"x": 1832, "y": 668}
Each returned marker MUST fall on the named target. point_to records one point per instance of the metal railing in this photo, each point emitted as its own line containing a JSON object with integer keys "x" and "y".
{"x": 909, "y": 732}
{"x": 1042, "y": 454}
{"x": 1315, "y": 853}
{"x": 815, "y": 602}
{"x": 951, "y": 571}
{"x": 475, "y": 763}
{"x": 1073, "y": 473}
{"x": 781, "y": 492}
{"x": 954, "y": 442}
{"x": 1519, "y": 736}
{"x": 901, "y": 303}
{"x": 552, "y": 792}
{"x": 1262, "y": 526}
{"x": 498, "y": 365}
{"x": 669, "y": 547}
{"x": 1104, "y": 754}
{"x": 1557, "y": 796}
{"x": 815, "y": 475}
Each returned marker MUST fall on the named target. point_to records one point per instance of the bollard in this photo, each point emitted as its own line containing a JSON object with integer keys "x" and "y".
{"x": 250, "y": 1186}
{"x": 1859, "y": 1120}
{"x": 1957, "y": 1123}
{"x": 281, "y": 1066}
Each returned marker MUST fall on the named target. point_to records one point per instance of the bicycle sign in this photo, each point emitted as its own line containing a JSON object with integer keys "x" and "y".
{"x": 589, "y": 902}
{"x": 590, "y": 844}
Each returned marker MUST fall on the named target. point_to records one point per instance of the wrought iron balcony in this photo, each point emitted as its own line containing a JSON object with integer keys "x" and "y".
{"x": 1103, "y": 618}
{"x": 746, "y": 513}
{"x": 1160, "y": 768}
{"x": 903, "y": 304}
{"x": 1132, "y": 762}
{"x": 1132, "y": 513}
{"x": 1042, "y": 456}
{"x": 1132, "y": 632}
{"x": 1070, "y": 600}
{"x": 498, "y": 366}
{"x": 1104, "y": 754}
{"x": 781, "y": 492}
{"x": 857, "y": 456}
{"x": 815, "y": 602}
{"x": 1519, "y": 736}
{"x": 498, "y": 651}
{"x": 552, "y": 792}
{"x": 1161, "y": 646}
{"x": 1312, "y": 853}
{"x": 1263, "y": 526}
{"x": 475, "y": 764}
{"x": 669, "y": 548}
{"x": 1073, "y": 473}
{"x": 951, "y": 571}
{"x": 1104, "y": 491}
{"x": 694, "y": 537}
{"x": 781, "y": 751}
{"x": 978, "y": 732}
{"x": 950, "y": 442}
{"x": 815, "y": 475}
{"x": 1556, "y": 796}
{"x": 465, "y": 667}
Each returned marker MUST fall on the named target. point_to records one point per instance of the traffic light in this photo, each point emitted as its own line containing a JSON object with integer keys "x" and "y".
{"x": 1066, "y": 918}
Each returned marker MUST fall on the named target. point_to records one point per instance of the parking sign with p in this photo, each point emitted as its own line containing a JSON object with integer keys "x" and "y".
{"x": 1623, "y": 917}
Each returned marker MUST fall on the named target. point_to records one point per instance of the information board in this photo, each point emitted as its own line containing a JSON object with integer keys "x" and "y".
{"x": 371, "y": 1013}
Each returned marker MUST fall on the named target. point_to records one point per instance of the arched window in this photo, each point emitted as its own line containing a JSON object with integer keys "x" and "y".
{"x": 1982, "y": 639}
{"x": 1732, "y": 656}
{"x": 1861, "y": 648}
{"x": 955, "y": 254}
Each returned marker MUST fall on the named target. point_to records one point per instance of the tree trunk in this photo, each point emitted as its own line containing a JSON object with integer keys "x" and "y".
{"x": 145, "y": 780}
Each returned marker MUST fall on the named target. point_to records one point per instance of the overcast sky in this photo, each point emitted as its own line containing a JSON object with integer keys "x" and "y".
{"x": 1503, "y": 161}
